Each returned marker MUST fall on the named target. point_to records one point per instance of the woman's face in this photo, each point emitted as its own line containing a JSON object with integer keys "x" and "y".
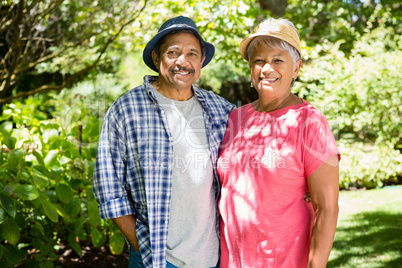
{"x": 272, "y": 71}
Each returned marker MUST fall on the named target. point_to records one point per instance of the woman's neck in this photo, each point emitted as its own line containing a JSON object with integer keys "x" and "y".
{"x": 266, "y": 106}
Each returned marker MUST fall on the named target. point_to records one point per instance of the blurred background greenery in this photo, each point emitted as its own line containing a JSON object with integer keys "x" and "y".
{"x": 62, "y": 64}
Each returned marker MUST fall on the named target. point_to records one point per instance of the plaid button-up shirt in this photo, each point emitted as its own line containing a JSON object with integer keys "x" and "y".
{"x": 133, "y": 170}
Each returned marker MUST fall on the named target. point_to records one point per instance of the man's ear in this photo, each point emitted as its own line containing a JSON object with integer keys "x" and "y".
{"x": 155, "y": 59}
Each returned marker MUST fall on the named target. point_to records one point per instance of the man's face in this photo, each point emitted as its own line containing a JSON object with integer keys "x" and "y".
{"x": 180, "y": 61}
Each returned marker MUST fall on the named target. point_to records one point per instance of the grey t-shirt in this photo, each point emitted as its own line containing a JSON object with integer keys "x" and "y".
{"x": 192, "y": 238}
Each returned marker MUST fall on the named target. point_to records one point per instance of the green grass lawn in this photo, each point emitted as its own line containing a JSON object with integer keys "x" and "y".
{"x": 369, "y": 232}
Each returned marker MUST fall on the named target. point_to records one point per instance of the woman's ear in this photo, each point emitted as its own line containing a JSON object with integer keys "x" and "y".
{"x": 297, "y": 68}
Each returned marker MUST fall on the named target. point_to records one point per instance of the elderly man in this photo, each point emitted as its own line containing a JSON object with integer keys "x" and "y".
{"x": 155, "y": 173}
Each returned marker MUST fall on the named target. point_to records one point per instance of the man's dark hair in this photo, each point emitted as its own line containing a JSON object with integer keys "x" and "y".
{"x": 160, "y": 42}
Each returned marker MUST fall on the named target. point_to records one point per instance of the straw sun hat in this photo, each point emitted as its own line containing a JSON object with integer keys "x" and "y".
{"x": 278, "y": 28}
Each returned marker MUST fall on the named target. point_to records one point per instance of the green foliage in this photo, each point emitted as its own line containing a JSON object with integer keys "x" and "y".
{"x": 322, "y": 25}
{"x": 362, "y": 93}
{"x": 49, "y": 45}
{"x": 361, "y": 97}
{"x": 116, "y": 243}
{"x": 46, "y": 183}
{"x": 368, "y": 166}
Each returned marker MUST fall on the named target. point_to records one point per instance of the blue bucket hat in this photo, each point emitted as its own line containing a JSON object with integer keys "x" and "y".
{"x": 176, "y": 24}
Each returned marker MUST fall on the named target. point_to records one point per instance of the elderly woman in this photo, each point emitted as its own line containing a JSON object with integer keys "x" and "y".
{"x": 274, "y": 150}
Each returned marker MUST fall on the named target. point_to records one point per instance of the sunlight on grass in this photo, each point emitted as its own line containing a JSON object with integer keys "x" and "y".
{"x": 369, "y": 232}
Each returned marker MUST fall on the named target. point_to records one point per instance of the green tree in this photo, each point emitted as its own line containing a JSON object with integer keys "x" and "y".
{"x": 48, "y": 45}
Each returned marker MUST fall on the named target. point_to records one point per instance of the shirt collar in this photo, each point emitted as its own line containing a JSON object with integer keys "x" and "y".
{"x": 149, "y": 79}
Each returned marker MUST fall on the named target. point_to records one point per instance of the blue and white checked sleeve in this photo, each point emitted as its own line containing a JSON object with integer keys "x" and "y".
{"x": 110, "y": 168}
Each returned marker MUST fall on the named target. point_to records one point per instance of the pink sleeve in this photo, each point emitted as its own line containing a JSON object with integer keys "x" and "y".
{"x": 318, "y": 141}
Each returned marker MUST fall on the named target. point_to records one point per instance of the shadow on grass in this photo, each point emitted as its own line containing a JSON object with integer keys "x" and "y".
{"x": 370, "y": 239}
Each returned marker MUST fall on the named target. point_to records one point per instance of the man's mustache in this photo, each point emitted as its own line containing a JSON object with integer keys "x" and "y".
{"x": 179, "y": 69}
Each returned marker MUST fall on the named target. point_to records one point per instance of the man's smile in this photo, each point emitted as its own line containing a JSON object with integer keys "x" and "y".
{"x": 181, "y": 70}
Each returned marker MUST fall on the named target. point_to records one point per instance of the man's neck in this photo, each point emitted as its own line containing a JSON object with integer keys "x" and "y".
{"x": 179, "y": 94}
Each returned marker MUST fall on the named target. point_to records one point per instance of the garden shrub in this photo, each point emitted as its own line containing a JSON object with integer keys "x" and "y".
{"x": 362, "y": 93}
{"x": 365, "y": 165}
{"x": 361, "y": 96}
{"x": 46, "y": 183}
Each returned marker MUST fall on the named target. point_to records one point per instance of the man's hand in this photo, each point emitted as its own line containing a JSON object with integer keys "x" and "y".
{"x": 307, "y": 197}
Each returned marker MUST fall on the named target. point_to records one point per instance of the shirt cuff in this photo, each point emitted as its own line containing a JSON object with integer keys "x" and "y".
{"x": 116, "y": 208}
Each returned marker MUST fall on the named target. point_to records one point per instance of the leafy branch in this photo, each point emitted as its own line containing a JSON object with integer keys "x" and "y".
{"x": 49, "y": 32}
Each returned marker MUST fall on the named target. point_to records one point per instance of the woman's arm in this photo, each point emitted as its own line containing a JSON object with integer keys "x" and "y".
{"x": 324, "y": 190}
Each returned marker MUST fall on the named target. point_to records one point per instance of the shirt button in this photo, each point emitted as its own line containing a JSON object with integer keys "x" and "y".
{"x": 166, "y": 222}
{"x": 168, "y": 194}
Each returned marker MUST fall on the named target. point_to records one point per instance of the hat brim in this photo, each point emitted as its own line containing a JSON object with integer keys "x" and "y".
{"x": 147, "y": 53}
{"x": 280, "y": 35}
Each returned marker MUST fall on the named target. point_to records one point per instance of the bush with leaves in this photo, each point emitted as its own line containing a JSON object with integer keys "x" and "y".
{"x": 361, "y": 96}
{"x": 46, "y": 182}
{"x": 365, "y": 165}
{"x": 364, "y": 89}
